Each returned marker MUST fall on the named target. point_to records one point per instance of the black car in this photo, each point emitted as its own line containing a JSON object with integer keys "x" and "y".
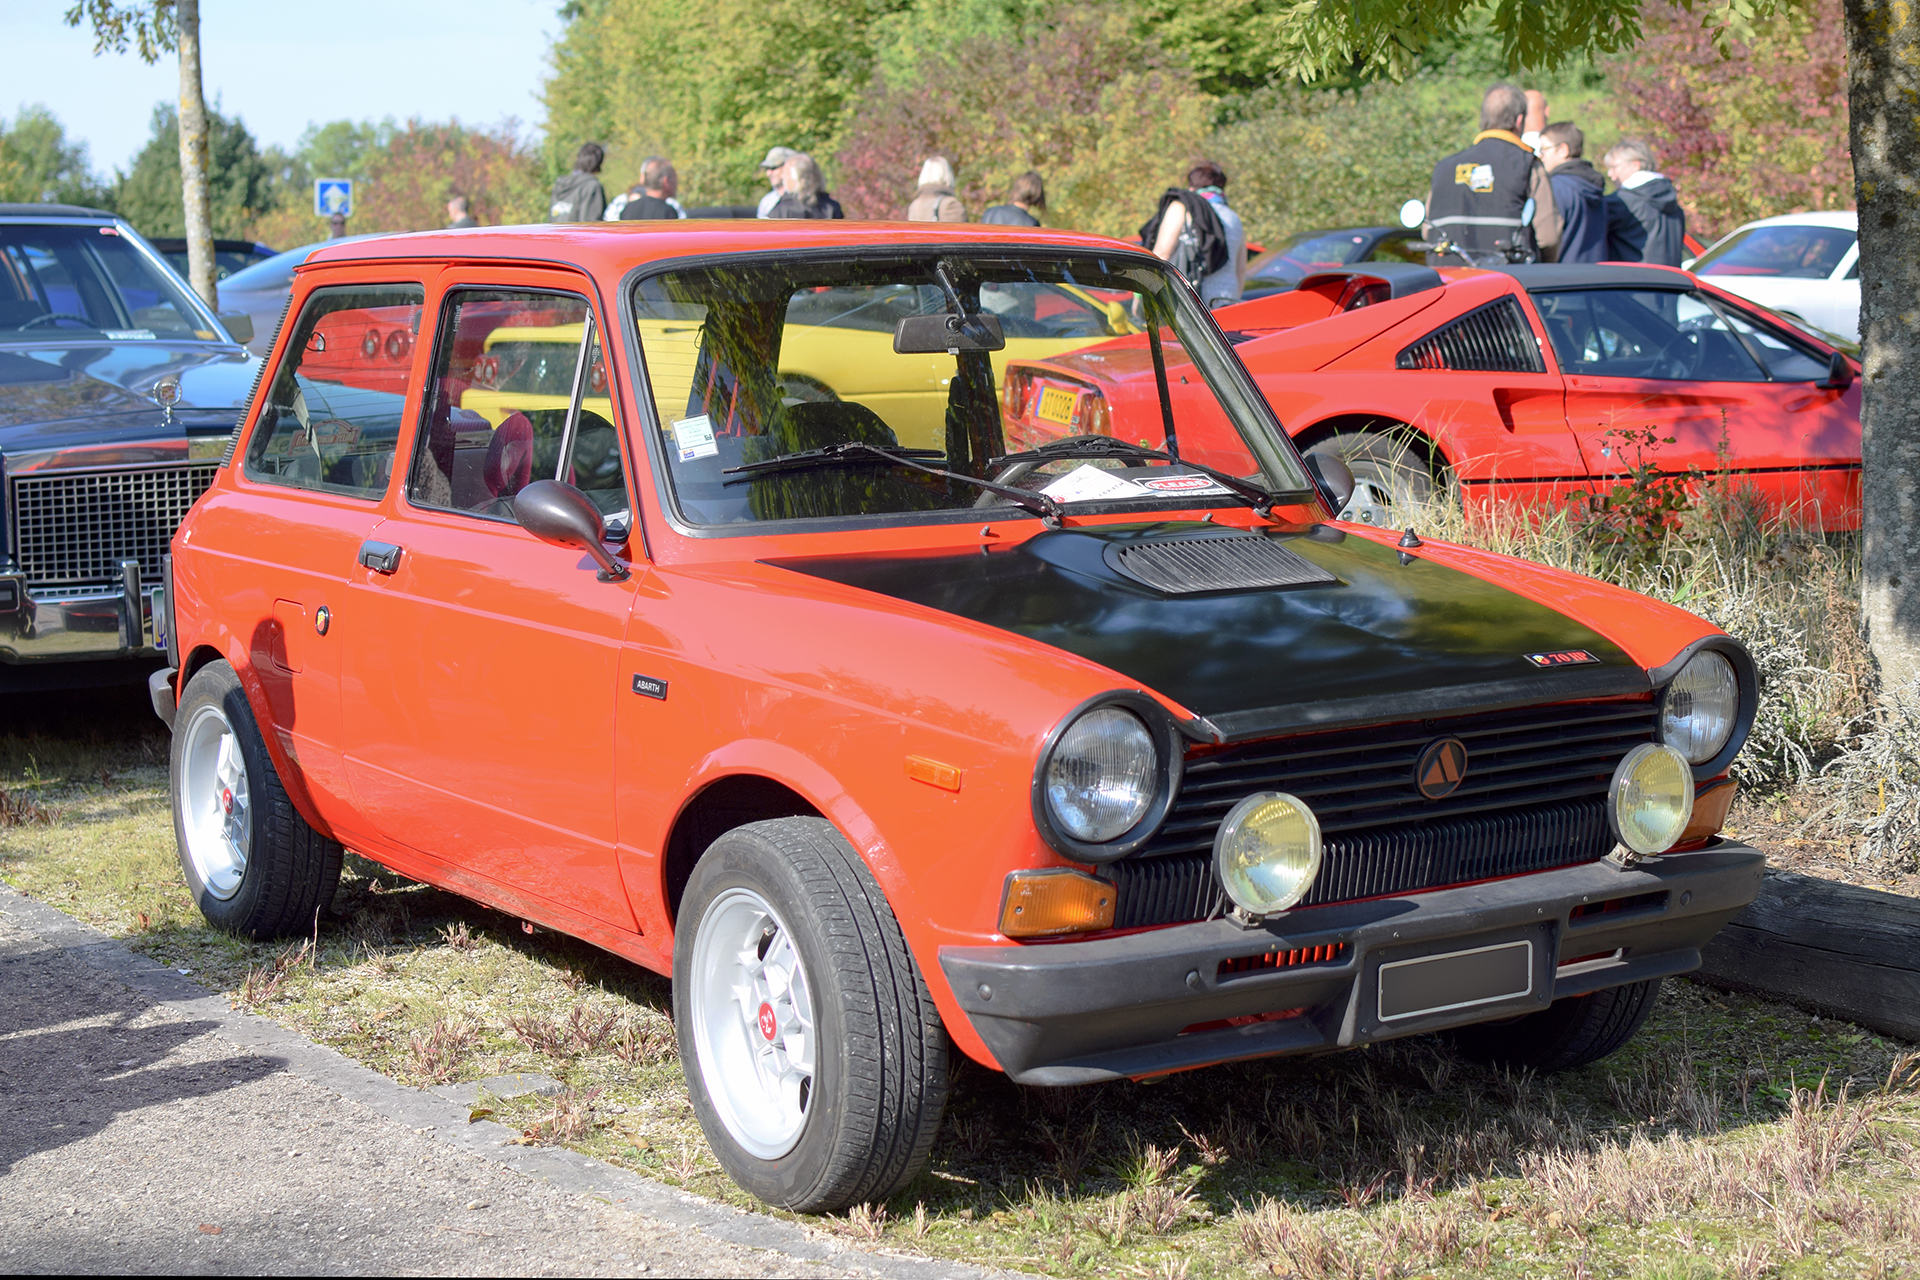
{"x": 229, "y": 256}
{"x": 119, "y": 390}
{"x": 1280, "y": 269}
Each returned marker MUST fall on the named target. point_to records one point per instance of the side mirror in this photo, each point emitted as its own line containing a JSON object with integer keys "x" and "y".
{"x": 1332, "y": 477}
{"x": 239, "y": 325}
{"x": 1413, "y": 213}
{"x": 1839, "y": 374}
{"x": 564, "y": 516}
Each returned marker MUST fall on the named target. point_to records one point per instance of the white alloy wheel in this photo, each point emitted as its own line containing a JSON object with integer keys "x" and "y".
{"x": 753, "y": 1023}
{"x": 1367, "y": 505}
{"x": 216, "y": 801}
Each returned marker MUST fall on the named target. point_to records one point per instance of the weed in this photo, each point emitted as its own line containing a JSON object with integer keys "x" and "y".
{"x": 457, "y": 936}
{"x": 569, "y": 1119}
{"x": 641, "y": 1042}
{"x": 264, "y": 983}
{"x": 440, "y": 1049}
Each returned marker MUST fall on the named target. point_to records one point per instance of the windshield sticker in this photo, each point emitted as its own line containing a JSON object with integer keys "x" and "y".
{"x": 128, "y": 335}
{"x": 1088, "y": 483}
{"x": 694, "y": 438}
{"x": 1195, "y": 485}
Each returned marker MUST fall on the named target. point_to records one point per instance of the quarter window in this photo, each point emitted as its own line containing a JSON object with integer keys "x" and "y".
{"x": 333, "y": 416}
{"x": 501, "y": 408}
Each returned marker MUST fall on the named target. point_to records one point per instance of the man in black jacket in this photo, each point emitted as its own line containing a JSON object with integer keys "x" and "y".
{"x": 1645, "y": 222}
{"x": 1578, "y": 191}
{"x": 578, "y": 196}
{"x": 1478, "y": 194}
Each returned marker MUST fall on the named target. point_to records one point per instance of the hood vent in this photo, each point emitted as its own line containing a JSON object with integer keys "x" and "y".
{"x": 1242, "y": 562}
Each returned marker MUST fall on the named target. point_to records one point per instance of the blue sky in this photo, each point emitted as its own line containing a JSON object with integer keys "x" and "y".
{"x": 281, "y": 66}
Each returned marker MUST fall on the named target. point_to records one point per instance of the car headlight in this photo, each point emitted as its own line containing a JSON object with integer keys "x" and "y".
{"x": 1700, "y": 708}
{"x": 1102, "y": 775}
{"x": 1268, "y": 852}
{"x": 1650, "y": 799}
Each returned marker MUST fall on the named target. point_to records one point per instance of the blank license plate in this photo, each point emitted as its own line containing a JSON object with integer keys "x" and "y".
{"x": 1456, "y": 980}
{"x": 1057, "y": 405}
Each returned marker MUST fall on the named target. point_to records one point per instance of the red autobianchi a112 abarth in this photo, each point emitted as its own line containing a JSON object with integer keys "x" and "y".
{"x": 530, "y": 576}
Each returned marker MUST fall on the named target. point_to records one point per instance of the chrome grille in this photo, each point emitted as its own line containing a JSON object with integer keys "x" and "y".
{"x": 1494, "y": 338}
{"x": 72, "y": 529}
{"x": 1534, "y": 798}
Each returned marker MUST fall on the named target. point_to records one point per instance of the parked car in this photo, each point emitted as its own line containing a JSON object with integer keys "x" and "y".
{"x": 1305, "y": 252}
{"x": 229, "y": 256}
{"x": 1094, "y": 762}
{"x": 119, "y": 392}
{"x": 1806, "y": 265}
{"x": 261, "y": 290}
{"x": 1522, "y": 385}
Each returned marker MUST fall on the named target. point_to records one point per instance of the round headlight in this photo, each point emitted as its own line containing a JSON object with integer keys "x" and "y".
{"x": 1651, "y": 798}
{"x": 1101, "y": 776}
{"x": 1268, "y": 852}
{"x": 1700, "y": 707}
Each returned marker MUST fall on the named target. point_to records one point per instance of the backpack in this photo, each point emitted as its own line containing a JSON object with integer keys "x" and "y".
{"x": 1202, "y": 247}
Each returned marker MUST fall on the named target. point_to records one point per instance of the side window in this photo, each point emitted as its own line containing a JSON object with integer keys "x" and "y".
{"x": 498, "y": 406}
{"x": 1644, "y": 333}
{"x": 333, "y": 416}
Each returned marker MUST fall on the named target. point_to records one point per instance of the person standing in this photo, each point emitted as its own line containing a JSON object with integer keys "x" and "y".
{"x": 1645, "y": 222}
{"x": 1578, "y": 192}
{"x": 578, "y": 196}
{"x": 935, "y": 200}
{"x": 658, "y": 185}
{"x": 776, "y": 160}
{"x": 457, "y": 215}
{"x": 804, "y": 191}
{"x": 1026, "y": 199}
{"x": 1478, "y": 194}
{"x": 1188, "y": 232}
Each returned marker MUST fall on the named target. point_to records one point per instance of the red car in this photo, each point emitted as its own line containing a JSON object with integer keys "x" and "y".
{"x": 1520, "y": 385}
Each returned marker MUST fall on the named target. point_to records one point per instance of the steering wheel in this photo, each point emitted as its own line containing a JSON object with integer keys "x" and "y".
{"x": 48, "y": 317}
{"x": 1679, "y": 360}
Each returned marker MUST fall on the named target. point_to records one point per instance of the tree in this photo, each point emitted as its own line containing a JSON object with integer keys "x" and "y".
{"x": 37, "y": 163}
{"x": 154, "y": 27}
{"x": 240, "y": 186}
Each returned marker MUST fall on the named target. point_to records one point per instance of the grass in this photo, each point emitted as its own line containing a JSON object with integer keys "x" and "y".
{"x": 1732, "y": 1138}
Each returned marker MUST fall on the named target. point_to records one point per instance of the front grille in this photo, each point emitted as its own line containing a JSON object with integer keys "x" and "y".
{"x": 71, "y": 530}
{"x": 1494, "y": 338}
{"x": 1534, "y": 798}
{"x": 1188, "y": 566}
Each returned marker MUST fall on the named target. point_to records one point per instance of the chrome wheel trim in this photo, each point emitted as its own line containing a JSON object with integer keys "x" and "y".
{"x": 216, "y": 803}
{"x": 1367, "y": 505}
{"x": 753, "y": 1024}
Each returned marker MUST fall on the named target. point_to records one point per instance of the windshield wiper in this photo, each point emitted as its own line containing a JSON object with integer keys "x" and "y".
{"x": 1260, "y": 499}
{"x": 859, "y": 452}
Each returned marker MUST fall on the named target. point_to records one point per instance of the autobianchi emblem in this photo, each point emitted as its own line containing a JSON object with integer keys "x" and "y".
{"x": 1440, "y": 768}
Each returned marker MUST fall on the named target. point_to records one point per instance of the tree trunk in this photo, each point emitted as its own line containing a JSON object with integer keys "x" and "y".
{"x": 193, "y": 155}
{"x": 1883, "y": 65}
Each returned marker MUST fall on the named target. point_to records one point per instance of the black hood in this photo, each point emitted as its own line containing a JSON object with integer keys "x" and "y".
{"x": 100, "y": 391}
{"x": 1656, "y": 192}
{"x": 1581, "y": 171}
{"x": 1385, "y": 640}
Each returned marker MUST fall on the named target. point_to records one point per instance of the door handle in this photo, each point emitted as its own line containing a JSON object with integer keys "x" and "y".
{"x": 381, "y": 557}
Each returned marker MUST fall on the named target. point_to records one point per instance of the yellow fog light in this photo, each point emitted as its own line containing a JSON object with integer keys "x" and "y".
{"x": 1651, "y": 798}
{"x": 1268, "y": 852}
{"x": 1040, "y": 903}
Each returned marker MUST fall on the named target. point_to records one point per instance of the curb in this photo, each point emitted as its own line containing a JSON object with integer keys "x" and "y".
{"x": 446, "y": 1121}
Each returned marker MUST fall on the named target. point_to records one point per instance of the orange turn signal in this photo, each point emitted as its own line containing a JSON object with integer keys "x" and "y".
{"x": 1711, "y": 801}
{"x": 1040, "y": 903}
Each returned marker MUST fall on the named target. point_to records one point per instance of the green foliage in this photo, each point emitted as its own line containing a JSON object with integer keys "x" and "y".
{"x": 239, "y": 179}
{"x": 38, "y": 163}
{"x": 149, "y": 26}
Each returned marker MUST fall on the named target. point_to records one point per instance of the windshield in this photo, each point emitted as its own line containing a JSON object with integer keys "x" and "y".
{"x": 61, "y": 279}
{"x": 757, "y": 361}
{"x": 1802, "y": 252}
{"x": 1308, "y": 251}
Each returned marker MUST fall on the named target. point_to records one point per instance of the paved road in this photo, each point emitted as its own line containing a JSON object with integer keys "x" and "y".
{"x": 145, "y": 1127}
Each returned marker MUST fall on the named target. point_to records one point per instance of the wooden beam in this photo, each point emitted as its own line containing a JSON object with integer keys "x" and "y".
{"x": 1834, "y": 948}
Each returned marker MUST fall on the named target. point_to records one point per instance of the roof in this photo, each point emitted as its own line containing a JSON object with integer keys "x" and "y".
{"x": 619, "y": 245}
{"x": 51, "y": 211}
{"x": 1597, "y": 275}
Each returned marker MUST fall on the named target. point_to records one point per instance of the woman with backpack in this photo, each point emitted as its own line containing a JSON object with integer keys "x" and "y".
{"x": 1196, "y": 231}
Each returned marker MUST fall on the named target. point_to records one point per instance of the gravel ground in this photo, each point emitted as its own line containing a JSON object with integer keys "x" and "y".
{"x": 148, "y": 1128}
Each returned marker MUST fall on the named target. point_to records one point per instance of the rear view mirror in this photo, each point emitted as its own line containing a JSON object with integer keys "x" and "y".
{"x": 1332, "y": 477}
{"x": 1413, "y": 213}
{"x": 1839, "y": 374}
{"x": 923, "y": 335}
{"x": 562, "y": 515}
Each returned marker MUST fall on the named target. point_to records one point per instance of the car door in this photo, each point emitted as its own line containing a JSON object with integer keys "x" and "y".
{"x": 317, "y": 464}
{"x": 480, "y": 689}
{"x": 1687, "y": 380}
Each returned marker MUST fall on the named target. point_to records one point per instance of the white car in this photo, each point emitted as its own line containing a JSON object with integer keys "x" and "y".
{"x": 1806, "y": 265}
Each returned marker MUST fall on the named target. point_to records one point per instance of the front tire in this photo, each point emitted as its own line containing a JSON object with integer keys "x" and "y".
{"x": 1566, "y": 1034}
{"x": 814, "y": 1056}
{"x": 252, "y": 863}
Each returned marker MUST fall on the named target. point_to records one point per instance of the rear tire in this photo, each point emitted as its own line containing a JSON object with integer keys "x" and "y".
{"x": 1391, "y": 472}
{"x": 252, "y": 863}
{"x": 814, "y": 1056}
{"x": 1566, "y": 1034}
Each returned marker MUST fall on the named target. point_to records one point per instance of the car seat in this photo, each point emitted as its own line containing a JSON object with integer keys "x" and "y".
{"x": 509, "y": 463}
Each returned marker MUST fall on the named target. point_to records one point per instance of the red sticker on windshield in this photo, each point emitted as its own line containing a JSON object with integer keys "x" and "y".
{"x": 1564, "y": 658}
{"x": 1182, "y": 484}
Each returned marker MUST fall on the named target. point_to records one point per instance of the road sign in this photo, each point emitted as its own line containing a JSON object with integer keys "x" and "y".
{"x": 332, "y": 197}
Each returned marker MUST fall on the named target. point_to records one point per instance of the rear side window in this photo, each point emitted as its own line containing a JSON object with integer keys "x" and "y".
{"x": 1645, "y": 333}
{"x": 333, "y": 416}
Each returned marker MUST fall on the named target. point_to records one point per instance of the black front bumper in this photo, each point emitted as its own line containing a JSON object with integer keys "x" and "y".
{"x": 1078, "y": 1012}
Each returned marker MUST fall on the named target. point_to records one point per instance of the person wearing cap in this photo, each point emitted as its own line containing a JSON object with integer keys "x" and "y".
{"x": 776, "y": 161}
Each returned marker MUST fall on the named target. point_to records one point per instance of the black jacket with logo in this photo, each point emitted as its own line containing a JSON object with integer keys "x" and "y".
{"x": 1478, "y": 196}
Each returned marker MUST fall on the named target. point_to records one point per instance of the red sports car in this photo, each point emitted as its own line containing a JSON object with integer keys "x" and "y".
{"x": 1521, "y": 385}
